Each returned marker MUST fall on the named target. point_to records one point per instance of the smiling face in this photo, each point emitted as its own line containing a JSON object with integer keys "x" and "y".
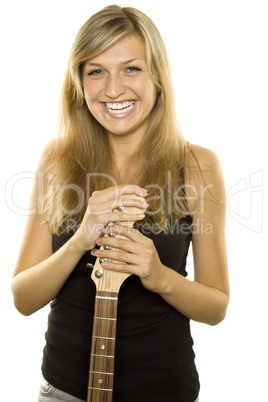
{"x": 118, "y": 89}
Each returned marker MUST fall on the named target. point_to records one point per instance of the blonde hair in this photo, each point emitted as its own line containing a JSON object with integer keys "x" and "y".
{"x": 83, "y": 154}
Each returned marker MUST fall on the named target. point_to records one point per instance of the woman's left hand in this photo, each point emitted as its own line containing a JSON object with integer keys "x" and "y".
{"x": 136, "y": 255}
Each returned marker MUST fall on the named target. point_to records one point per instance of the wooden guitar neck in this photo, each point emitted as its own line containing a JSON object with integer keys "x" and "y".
{"x": 101, "y": 370}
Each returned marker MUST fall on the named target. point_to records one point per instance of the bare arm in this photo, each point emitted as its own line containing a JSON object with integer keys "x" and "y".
{"x": 35, "y": 285}
{"x": 39, "y": 274}
{"x": 206, "y": 299}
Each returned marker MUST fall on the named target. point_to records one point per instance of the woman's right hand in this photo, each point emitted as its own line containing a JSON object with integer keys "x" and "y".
{"x": 102, "y": 209}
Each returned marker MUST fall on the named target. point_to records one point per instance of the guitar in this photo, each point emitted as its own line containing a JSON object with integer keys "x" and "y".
{"x": 101, "y": 368}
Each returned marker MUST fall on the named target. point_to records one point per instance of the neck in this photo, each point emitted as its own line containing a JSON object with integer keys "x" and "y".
{"x": 126, "y": 145}
{"x": 123, "y": 145}
{"x": 123, "y": 151}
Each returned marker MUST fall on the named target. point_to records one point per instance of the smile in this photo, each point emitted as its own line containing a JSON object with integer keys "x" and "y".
{"x": 119, "y": 108}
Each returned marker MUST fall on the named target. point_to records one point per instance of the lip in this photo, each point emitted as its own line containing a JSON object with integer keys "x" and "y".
{"x": 118, "y": 113}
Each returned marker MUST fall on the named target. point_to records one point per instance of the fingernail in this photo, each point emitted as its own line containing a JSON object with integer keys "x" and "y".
{"x": 145, "y": 205}
{"x": 97, "y": 253}
{"x": 140, "y": 216}
{"x": 143, "y": 192}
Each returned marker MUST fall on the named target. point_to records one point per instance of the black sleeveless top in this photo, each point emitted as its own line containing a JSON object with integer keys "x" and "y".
{"x": 154, "y": 359}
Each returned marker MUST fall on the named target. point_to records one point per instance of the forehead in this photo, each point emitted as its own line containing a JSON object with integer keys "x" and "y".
{"x": 129, "y": 48}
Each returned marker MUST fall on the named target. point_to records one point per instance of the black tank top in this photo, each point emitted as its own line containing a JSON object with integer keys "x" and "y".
{"x": 154, "y": 358}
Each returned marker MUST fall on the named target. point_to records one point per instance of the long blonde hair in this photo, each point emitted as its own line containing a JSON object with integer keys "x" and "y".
{"x": 81, "y": 162}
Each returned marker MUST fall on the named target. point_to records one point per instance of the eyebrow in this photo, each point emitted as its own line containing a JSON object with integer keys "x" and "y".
{"x": 123, "y": 62}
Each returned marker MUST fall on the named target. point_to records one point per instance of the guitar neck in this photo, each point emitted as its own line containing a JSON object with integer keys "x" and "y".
{"x": 101, "y": 371}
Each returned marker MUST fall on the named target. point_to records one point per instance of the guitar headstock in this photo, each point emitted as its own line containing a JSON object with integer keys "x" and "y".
{"x": 107, "y": 280}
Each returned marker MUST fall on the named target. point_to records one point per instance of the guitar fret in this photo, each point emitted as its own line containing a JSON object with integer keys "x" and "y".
{"x": 102, "y": 337}
{"x": 101, "y": 389}
{"x": 106, "y": 298}
{"x": 105, "y": 318}
{"x": 100, "y": 372}
{"x": 93, "y": 354}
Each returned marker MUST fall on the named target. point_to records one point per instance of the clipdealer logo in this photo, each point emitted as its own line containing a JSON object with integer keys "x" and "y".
{"x": 245, "y": 202}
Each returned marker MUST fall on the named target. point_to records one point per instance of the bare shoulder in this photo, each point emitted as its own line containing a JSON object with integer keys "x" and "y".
{"x": 204, "y": 173}
{"x": 205, "y": 157}
{"x": 202, "y": 165}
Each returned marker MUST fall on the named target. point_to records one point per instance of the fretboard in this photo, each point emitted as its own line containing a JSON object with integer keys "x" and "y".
{"x": 101, "y": 371}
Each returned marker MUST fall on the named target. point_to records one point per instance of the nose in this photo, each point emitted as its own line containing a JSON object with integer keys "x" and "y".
{"x": 114, "y": 87}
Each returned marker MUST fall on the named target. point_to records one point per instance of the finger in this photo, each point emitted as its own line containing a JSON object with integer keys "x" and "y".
{"x": 132, "y": 189}
{"x": 116, "y": 255}
{"x": 118, "y": 217}
{"x": 123, "y": 230}
{"x": 118, "y": 191}
{"x": 119, "y": 267}
{"x": 128, "y": 203}
{"x": 110, "y": 243}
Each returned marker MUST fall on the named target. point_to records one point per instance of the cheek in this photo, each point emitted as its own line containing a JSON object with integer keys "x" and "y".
{"x": 91, "y": 92}
{"x": 150, "y": 94}
{"x": 90, "y": 98}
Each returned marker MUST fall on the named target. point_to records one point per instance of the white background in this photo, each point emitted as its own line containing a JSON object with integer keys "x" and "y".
{"x": 218, "y": 53}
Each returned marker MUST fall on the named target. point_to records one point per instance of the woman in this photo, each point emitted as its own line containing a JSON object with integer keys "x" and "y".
{"x": 120, "y": 145}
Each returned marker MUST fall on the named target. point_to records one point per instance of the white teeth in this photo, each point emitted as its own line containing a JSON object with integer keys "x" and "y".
{"x": 117, "y": 108}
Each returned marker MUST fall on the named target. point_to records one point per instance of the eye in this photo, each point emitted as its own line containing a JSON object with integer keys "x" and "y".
{"x": 133, "y": 69}
{"x": 94, "y": 73}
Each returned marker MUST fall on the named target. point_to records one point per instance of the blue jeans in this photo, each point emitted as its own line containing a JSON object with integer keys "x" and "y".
{"x": 48, "y": 393}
